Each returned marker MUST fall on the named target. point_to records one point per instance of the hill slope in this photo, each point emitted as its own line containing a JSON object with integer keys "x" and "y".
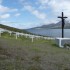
{"x": 13, "y": 29}
{"x": 56, "y": 26}
{"x": 39, "y": 55}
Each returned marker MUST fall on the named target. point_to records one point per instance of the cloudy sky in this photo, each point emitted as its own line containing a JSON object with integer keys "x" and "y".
{"x": 31, "y": 13}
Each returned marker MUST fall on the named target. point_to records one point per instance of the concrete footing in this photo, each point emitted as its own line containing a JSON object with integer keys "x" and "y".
{"x": 61, "y": 41}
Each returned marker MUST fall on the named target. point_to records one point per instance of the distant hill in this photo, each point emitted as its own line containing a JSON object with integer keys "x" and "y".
{"x": 56, "y": 25}
{"x": 13, "y": 29}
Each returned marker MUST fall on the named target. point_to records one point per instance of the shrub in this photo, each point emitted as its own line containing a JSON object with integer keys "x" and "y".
{"x": 66, "y": 45}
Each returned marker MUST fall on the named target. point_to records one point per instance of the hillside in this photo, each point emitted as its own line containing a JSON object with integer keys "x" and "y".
{"x": 12, "y": 29}
{"x": 22, "y": 54}
{"x": 56, "y": 25}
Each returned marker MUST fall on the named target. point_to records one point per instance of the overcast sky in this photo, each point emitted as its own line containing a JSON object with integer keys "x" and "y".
{"x": 32, "y": 13}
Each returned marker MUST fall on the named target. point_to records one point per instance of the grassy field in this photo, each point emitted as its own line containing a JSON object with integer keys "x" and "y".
{"x": 22, "y": 54}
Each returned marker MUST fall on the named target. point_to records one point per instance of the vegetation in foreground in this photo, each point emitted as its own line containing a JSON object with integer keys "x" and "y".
{"x": 22, "y": 54}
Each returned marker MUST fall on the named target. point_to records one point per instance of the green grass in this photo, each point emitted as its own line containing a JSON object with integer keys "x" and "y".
{"x": 22, "y": 54}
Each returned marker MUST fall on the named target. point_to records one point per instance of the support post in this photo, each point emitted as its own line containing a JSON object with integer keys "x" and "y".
{"x": 63, "y": 23}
